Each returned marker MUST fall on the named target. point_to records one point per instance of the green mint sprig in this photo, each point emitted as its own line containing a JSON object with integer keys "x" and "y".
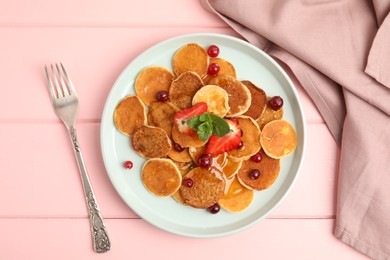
{"x": 208, "y": 124}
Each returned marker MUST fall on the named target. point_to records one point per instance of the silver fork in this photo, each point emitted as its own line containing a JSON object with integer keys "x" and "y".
{"x": 66, "y": 105}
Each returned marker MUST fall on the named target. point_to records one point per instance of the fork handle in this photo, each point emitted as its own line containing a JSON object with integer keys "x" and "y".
{"x": 101, "y": 241}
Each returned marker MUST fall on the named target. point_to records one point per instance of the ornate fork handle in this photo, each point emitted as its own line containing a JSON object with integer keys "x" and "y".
{"x": 101, "y": 241}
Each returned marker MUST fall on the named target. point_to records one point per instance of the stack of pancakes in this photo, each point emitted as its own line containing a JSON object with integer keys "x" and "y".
{"x": 150, "y": 124}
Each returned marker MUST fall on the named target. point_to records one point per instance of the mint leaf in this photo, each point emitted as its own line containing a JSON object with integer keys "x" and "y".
{"x": 205, "y": 117}
{"x": 205, "y": 130}
{"x": 207, "y": 124}
{"x": 193, "y": 122}
{"x": 220, "y": 126}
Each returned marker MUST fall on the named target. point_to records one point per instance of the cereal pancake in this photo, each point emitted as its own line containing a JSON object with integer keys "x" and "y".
{"x": 250, "y": 138}
{"x": 161, "y": 177}
{"x": 161, "y": 115}
{"x": 225, "y": 68}
{"x": 207, "y": 188}
{"x": 278, "y": 139}
{"x": 269, "y": 170}
{"x": 182, "y": 156}
{"x": 151, "y": 142}
{"x": 183, "y": 88}
{"x": 150, "y": 81}
{"x": 215, "y": 97}
{"x": 238, "y": 198}
{"x": 258, "y": 101}
{"x": 269, "y": 115}
{"x": 129, "y": 114}
{"x": 191, "y": 57}
{"x": 239, "y": 94}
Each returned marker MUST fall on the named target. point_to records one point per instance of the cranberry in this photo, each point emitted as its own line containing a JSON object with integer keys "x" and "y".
{"x": 213, "y": 69}
{"x": 162, "y": 96}
{"x": 276, "y": 103}
{"x": 128, "y": 164}
{"x": 213, "y": 51}
{"x": 240, "y": 145}
{"x": 205, "y": 160}
{"x": 256, "y": 157}
{"x": 178, "y": 147}
{"x": 254, "y": 174}
{"x": 188, "y": 182}
{"x": 214, "y": 209}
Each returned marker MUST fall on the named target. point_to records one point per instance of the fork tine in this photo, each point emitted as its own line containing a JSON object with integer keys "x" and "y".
{"x": 62, "y": 83}
{"x": 56, "y": 83}
{"x": 50, "y": 84}
{"x": 71, "y": 89}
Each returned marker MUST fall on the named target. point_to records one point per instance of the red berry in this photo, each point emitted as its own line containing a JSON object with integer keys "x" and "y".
{"x": 188, "y": 182}
{"x": 213, "y": 51}
{"x": 162, "y": 96}
{"x": 213, "y": 69}
{"x": 254, "y": 174}
{"x": 204, "y": 160}
{"x": 128, "y": 164}
{"x": 276, "y": 103}
{"x": 178, "y": 147}
{"x": 256, "y": 157}
{"x": 214, "y": 209}
{"x": 240, "y": 145}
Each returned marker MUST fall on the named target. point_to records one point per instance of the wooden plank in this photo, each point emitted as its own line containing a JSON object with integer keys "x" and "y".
{"x": 136, "y": 239}
{"x": 174, "y": 13}
{"x": 39, "y": 176}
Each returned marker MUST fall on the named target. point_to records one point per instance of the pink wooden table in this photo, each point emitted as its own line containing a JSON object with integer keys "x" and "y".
{"x": 42, "y": 208}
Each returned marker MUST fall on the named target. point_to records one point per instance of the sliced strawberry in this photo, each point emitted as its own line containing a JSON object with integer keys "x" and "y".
{"x": 231, "y": 140}
{"x": 183, "y": 116}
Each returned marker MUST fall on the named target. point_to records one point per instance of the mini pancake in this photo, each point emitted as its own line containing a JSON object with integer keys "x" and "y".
{"x": 161, "y": 114}
{"x": 185, "y": 140}
{"x": 161, "y": 177}
{"x": 250, "y": 138}
{"x": 215, "y": 97}
{"x": 183, "y": 88}
{"x": 195, "y": 152}
{"x": 176, "y": 196}
{"x": 207, "y": 188}
{"x": 225, "y": 68}
{"x": 151, "y": 142}
{"x": 269, "y": 170}
{"x": 229, "y": 167}
{"x": 258, "y": 101}
{"x": 269, "y": 115}
{"x": 238, "y": 198}
{"x": 185, "y": 167}
{"x": 129, "y": 114}
{"x": 278, "y": 139}
{"x": 150, "y": 81}
{"x": 239, "y": 95}
{"x": 191, "y": 57}
{"x": 182, "y": 156}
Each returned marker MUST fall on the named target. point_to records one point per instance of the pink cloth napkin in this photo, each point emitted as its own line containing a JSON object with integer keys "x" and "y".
{"x": 340, "y": 53}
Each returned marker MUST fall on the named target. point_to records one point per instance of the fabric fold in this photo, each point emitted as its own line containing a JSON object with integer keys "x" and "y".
{"x": 378, "y": 64}
{"x": 337, "y": 50}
